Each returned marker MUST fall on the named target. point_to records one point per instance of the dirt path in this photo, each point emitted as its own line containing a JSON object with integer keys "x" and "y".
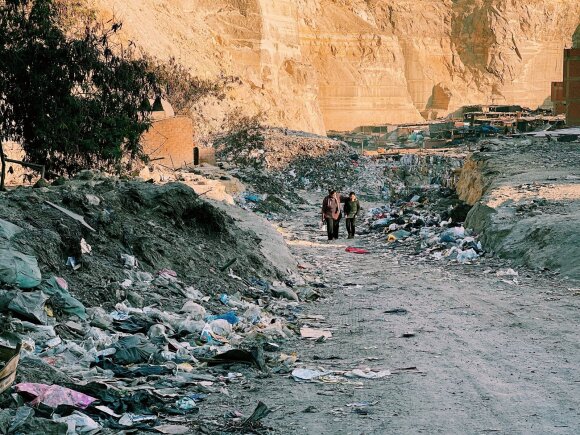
{"x": 489, "y": 356}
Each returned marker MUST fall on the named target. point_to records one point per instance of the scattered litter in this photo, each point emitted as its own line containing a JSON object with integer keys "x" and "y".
{"x": 172, "y": 429}
{"x": 314, "y": 334}
{"x": 259, "y": 413}
{"x": 398, "y": 311}
{"x": 302, "y": 374}
{"x": 54, "y": 395}
{"x": 354, "y": 250}
{"x": 71, "y": 214}
{"x": 129, "y": 419}
{"x": 368, "y": 373}
{"x": 79, "y": 423}
{"x": 506, "y": 272}
{"x": 85, "y": 247}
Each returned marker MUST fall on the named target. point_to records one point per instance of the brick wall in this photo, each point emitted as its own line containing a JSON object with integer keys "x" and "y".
{"x": 16, "y": 174}
{"x": 558, "y": 98}
{"x": 171, "y": 141}
{"x": 572, "y": 85}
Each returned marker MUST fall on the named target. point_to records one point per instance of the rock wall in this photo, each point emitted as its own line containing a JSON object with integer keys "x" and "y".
{"x": 317, "y": 65}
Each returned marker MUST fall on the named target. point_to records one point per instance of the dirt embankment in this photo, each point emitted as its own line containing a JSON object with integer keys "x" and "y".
{"x": 526, "y": 197}
{"x": 167, "y": 226}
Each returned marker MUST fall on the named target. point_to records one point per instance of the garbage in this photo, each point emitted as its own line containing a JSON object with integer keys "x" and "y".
{"x": 285, "y": 292}
{"x": 9, "y": 359}
{"x": 54, "y": 395}
{"x": 237, "y": 356}
{"x": 354, "y": 250}
{"x": 30, "y": 306}
{"x": 7, "y": 231}
{"x": 129, "y": 261}
{"x": 464, "y": 257}
{"x": 194, "y": 310}
{"x": 71, "y": 214}
{"x": 73, "y": 263}
{"x": 506, "y": 272}
{"x": 398, "y": 235}
{"x": 172, "y": 429}
{"x": 85, "y": 247}
{"x": 314, "y": 334}
{"x": 229, "y": 317}
{"x": 18, "y": 269}
{"x": 129, "y": 419}
{"x": 61, "y": 299}
{"x": 186, "y": 404}
{"x": 302, "y": 374}
{"x": 133, "y": 349}
{"x": 259, "y": 413}
{"x": 79, "y": 423}
{"x": 368, "y": 373}
{"x": 398, "y": 311}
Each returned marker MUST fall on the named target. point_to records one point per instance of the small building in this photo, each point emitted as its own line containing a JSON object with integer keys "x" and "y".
{"x": 169, "y": 140}
{"x": 572, "y": 85}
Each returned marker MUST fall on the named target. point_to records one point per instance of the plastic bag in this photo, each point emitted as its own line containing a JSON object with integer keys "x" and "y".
{"x": 133, "y": 350}
{"x": 30, "y": 306}
{"x": 19, "y": 269}
{"x": 62, "y": 299}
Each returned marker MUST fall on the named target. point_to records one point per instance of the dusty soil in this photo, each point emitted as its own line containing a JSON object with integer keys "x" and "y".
{"x": 527, "y": 201}
{"x": 485, "y": 355}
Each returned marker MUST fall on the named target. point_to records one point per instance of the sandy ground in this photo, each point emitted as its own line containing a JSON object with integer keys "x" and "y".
{"x": 485, "y": 355}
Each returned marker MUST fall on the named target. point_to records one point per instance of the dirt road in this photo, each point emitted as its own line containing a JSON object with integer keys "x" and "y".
{"x": 489, "y": 356}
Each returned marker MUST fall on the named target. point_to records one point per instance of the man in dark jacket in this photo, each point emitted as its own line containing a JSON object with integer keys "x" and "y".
{"x": 331, "y": 213}
{"x": 351, "y": 209}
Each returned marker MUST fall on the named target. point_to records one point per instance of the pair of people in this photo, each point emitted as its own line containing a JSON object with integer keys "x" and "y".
{"x": 331, "y": 213}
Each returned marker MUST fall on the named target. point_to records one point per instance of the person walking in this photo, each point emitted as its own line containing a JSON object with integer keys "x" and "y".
{"x": 351, "y": 209}
{"x": 331, "y": 214}
{"x": 339, "y": 199}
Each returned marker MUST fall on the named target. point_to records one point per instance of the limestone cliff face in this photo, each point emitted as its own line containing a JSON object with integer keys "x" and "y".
{"x": 317, "y": 65}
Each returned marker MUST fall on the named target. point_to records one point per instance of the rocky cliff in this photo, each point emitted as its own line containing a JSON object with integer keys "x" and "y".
{"x": 318, "y": 65}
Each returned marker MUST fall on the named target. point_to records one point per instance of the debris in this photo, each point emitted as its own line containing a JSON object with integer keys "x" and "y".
{"x": 285, "y": 292}
{"x": 506, "y": 272}
{"x": 229, "y": 317}
{"x": 314, "y": 334}
{"x": 79, "y": 423}
{"x": 172, "y": 429}
{"x": 302, "y": 374}
{"x": 30, "y": 306}
{"x": 368, "y": 373}
{"x": 54, "y": 395}
{"x": 398, "y": 311}
{"x": 259, "y": 413}
{"x": 18, "y": 269}
{"x": 76, "y": 217}
{"x": 237, "y": 356}
{"x": 9, "y": 359}
{"x": 85, "y": 247}
{"x": 129, "y": 419}
{"x": 354, "y": 250}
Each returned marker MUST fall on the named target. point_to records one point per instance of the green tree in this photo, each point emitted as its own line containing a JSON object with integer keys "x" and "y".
{"x": 73, "y": 102}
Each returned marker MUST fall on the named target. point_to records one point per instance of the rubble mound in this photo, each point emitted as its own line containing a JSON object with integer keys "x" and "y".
{"x": 287, "y": 161}
{"x": 526, "y": 196}
{"x": 161, "y": 226}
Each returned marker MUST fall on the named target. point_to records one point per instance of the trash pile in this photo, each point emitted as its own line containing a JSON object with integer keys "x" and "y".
{"x": 289, "y": 161}
{"x": 429, "y": 171}
{"x": 427, "y": 228}
{"x": 131, "y": 303}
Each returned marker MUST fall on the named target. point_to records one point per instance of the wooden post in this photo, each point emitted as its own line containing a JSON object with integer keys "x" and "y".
{"x": 3, "y": 169}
